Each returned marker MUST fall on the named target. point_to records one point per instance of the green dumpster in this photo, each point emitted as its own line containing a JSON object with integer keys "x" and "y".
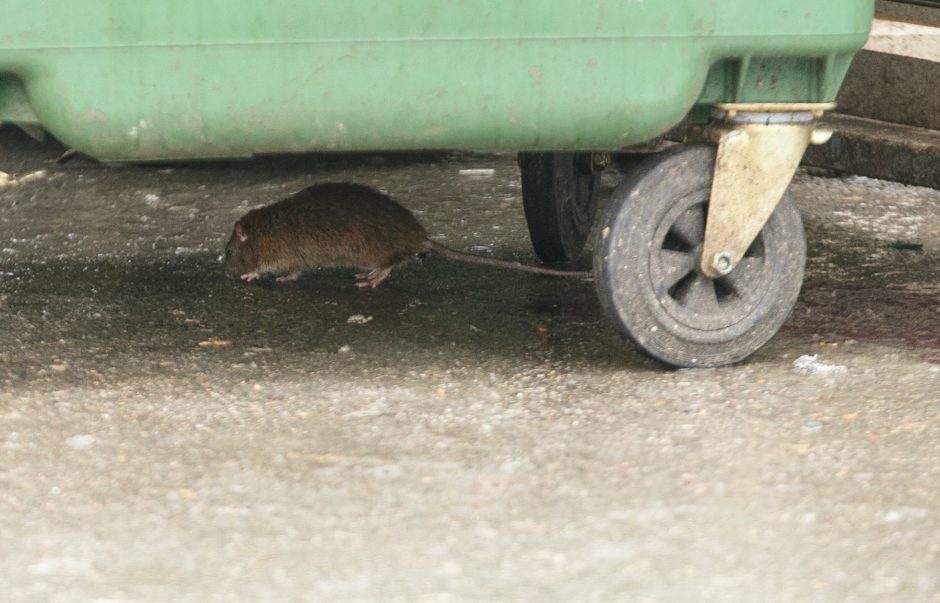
{"x": 563, "y": 82}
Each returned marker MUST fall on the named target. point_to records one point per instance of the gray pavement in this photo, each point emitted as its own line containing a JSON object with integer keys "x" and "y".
{"x": 477, "y": 435}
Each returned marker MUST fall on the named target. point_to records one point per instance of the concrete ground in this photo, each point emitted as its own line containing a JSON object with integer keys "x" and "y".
{"x": 460, "y": 433}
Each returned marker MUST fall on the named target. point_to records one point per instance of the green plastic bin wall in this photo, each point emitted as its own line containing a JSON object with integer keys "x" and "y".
{"x": 161, "y": 79}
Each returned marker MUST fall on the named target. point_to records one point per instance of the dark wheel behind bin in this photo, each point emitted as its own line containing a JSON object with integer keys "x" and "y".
{"x": 559, "y": 194}
{"x": 646, "y": 265}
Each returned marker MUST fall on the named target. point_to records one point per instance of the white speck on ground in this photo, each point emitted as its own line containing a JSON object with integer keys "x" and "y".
{"x": 808, "y": 364}
{"x": 81, "y": 441}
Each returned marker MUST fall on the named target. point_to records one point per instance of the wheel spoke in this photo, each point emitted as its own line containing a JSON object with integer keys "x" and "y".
{"x": 675, "y": 266}
{"x": 701, "y": 296}
{"x": 690, "y": 226}
{"x": 743, "y": 278}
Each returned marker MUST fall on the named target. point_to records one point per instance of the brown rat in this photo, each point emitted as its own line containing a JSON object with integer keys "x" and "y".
{"x": 334, "y": 225}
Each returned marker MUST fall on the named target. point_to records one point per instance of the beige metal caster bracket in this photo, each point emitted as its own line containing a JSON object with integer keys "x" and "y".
{"x": 759, "y": 149}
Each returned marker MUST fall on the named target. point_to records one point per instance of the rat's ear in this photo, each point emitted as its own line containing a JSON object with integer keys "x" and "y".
{"x": 240, "y": 232}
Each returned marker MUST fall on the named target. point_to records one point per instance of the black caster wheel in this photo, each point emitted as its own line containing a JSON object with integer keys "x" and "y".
{"x": 559, "y": 194}
{"x": 646, "y": 267}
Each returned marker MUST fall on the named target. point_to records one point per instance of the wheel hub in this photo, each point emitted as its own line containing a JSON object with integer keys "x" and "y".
{"x": 686, "y": 294}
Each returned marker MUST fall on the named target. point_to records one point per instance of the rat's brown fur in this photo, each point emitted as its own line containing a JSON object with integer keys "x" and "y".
{"x": 336, "y": 225}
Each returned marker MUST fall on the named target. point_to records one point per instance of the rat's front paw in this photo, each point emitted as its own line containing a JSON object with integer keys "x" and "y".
{"x": 251, "y": 276}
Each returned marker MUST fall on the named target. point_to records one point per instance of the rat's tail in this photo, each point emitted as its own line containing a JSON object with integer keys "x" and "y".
{"x": 460, "y": 256}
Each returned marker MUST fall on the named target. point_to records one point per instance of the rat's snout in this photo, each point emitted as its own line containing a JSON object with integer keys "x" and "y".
{"x": 227, "y": 268}
{"x": 232, "y": 270}
{"x": 233, "y": 260}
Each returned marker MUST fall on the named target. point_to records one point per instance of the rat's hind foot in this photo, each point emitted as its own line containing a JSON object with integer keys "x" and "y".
{"x": 293, "y": 276}
{"x": 373, "y": 278}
